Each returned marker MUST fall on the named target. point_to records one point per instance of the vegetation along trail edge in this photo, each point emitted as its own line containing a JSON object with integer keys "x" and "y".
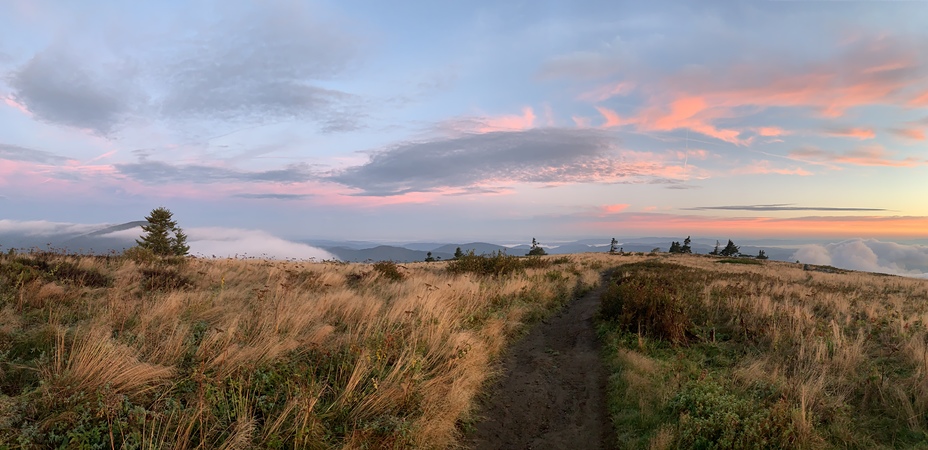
{"x": 551, "y": 393}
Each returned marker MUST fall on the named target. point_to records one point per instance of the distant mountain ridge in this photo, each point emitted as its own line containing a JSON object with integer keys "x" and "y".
{"x": 103, "y": 241}
{"x": 419, "y": 251}
{"x": 95, "y": 242}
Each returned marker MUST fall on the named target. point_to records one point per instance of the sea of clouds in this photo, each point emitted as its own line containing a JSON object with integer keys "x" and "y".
{"x": 218, "y": 242}
{"x": 204, "y": 242}
{"x": 869, "y": 255}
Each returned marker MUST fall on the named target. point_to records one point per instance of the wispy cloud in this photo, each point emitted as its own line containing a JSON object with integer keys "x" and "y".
{"x": 251, "y": 64}
{"x": 547, "y": 155}
{"x": 274, "y": 196}
{"x": 490, "y": 124}
{"x": 58, "y": 86}
{"x": 267, "y": 63}
{"x": 779, "y": 207}
{"x": 764, "y": 167}
{"x": 17, "y": 153}
{"x": 858, "y": 133}
{"x": 915, "y": 134}
{"x": 874, "y": 155}
{"x": 871, "y": 70}
{"x": 156, "y": 172}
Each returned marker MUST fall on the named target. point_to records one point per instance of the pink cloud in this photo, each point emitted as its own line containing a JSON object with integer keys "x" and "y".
{"x": 693, "y": 153}
{"x": 921, "y": 100}
{"x": 874, "y": 155}
{"x": 510, "y": 122}
{"x": 612, "y": 118}
{"x": 770, "y": 131}
{"x": 17, "y": 106}
{"x": 490, "y": 124}
{"x": 909, "y": 133}
{"x": 866, "y": 71}
{"x": 859, "y": 133}
{"x": 764, "y": 167}
{"x": 614, "y": 209}
{"x": 688, "y": 112}
{"x": 824, "y": 226}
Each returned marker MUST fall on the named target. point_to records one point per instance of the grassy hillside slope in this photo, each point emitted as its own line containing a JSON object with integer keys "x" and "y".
{"x": 110, "y": 352}
{"x": 737, "y": 354}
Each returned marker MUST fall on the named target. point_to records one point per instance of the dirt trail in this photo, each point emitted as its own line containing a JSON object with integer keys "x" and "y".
{"x": 551, "y": 393}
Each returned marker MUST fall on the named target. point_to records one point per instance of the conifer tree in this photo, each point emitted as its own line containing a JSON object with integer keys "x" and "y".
{"x": 730, "y": 250}
{"x": 536, "y": 249}
{"x": 686, "y": 246}
{"x": 162, "y": 235}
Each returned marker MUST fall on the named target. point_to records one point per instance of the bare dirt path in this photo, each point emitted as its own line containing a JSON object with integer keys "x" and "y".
{"x": 552, "y": 391}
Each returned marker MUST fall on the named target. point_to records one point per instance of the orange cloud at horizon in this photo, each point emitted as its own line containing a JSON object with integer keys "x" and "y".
{"x": 614, "y": 209}
{"x": 811, "y": 226}
{"x": 763, "y": 167}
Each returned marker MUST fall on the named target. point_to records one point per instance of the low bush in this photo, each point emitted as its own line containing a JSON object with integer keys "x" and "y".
{"x": 497, "y": 264}
{"x": 714, "y": 416}
{"x": 651, "y": 304}
{"x": 389, "y": 270}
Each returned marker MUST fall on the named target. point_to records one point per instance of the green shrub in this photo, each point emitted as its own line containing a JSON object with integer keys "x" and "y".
{"x": 140, "y": 255}
{"x": 535, "y": 262}
{"x": 714, "y": 417}
{"x": 389, "y": 270}
{"x": 51, "y": 267}
{"x": 655, "y": 299}
{"x": 164, "y": 278}
{"x": 497, "y": 264}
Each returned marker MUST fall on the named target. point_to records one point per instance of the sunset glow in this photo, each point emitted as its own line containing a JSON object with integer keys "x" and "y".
{"x": 470, "y": 121}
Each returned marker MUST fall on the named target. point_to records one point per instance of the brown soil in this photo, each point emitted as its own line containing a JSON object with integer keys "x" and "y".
{"x": 552, "y": 388}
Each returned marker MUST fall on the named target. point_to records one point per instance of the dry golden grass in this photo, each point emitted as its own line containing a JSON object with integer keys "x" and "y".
{"x": 251, "y": 353}
{"x": 846, "y": 352}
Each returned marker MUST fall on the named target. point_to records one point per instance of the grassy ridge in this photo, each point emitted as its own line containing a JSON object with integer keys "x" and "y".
{"x": 709, "y": 355}
{"x": 132, "y": 353}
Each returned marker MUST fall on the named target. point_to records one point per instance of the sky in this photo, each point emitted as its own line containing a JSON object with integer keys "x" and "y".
{"x": 459, "y": 121}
